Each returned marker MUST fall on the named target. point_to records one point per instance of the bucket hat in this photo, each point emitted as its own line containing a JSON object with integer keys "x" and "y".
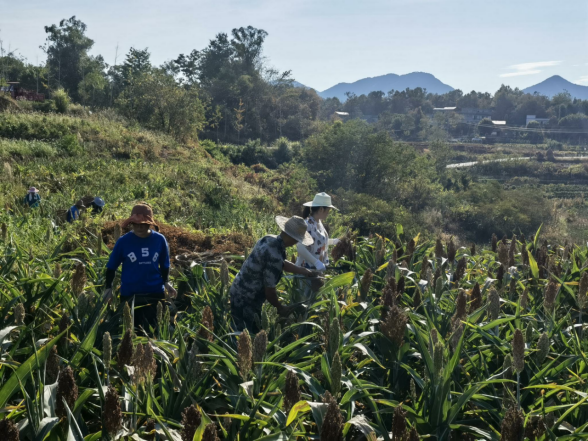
{"x": 99, "y": 202}
{"x": 140, "y": 214}
{"x": 33, "y": 190}
{"x": 320, "y": 200}
{"x": 295, "y": 227}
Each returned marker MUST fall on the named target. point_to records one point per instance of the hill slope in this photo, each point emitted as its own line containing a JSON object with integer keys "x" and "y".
{"x": 386, "y": 83}
{"x": 556, "y": 84}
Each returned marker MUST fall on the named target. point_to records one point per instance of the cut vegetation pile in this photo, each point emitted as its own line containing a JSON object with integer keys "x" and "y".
{"x": 182, "y": 241}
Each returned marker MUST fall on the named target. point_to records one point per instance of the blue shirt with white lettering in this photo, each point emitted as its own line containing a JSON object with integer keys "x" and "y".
{"x": 142, "y": 260}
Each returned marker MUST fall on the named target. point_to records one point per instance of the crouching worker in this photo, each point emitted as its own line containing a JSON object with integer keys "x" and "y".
{"x": 261, "y": 272}
{"x": 144, "y": 255}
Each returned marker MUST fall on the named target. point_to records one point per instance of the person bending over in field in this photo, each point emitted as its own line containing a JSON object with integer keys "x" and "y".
{"x": 32, "y": 199}
{"x": 74, "y": 211}
{"x": 261, "y": 272}
{"x": 144, "y": 255}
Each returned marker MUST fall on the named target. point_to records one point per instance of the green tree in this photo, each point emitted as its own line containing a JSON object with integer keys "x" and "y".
{"x": 159, "y": 102}
{"x": 535, "y": 133}
{"x": 68, "y": 61}
{"x": 485, "y": 127}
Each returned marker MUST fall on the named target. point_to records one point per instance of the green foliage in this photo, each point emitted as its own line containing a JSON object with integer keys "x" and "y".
{"x": 61, "y": 100}
{"x": 158, "y": 102}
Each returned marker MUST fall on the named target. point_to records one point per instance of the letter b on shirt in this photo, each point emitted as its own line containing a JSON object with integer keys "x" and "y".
{"x": 132, "y": 257}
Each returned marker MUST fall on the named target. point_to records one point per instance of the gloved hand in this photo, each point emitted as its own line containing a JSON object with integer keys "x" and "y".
{"x": 320, "y": 266}
{"x": 107, "y": 295}
{"x": 334, "y": 241}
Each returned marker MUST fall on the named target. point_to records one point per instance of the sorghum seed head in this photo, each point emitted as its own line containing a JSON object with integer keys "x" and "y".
{"x": 512, "y": 425}
{"x": 125, "y": 350}
{"x": 57, "y": 271}
{"x": 127, "y": 317}
{"x": 399, "y": 423}
{"x": 451, "y": 250}
{"x": 525, "y": 255}
{"x": 439, "y": 252}
{"x": 476, "y": 297}
{"x": 208, "y": 322}
{"x": 106, "y": 350}
{"x": 550, "y": 294}
{"x": 334, "y": 336}
{"x": 529, "y": 333}
{"x": 502, "y": 254}
{"x": 159, "y": 313}
{"x": 494, "y": 242}
{"x": 336, "y": 375}
{"x": 244, "y": 354}
{"x": 461, "y": 306}
{"x": 224, "y": 273}
{"x": 78, "y": 280}
{"x": 67, "y": 390}
{"x": 292, "y": 392}
{"x": 210, "y": 433}
{"x": 52, "y": 366}
{"x": 460, "y": 269}
{"x": 149, "y": 428}
{"x": 366, "y": 283}
{"x": 494, "y": 304}
{"x": 8, "y": 430}
{"x": 332, "y": 428}
{"x": 395, "y": 325}
{"x": 413, "y": 435}
{"x": 259, "y": 346}
{"x": 438, "y": 355}
{"x": 518, "y": 351}
{"x": 19, "y": 314}
{"x": 191, "y": 420}
{"x": 525, "y": 298}
{"x": 543, "y": 346}
{"x": 111, "y": 412}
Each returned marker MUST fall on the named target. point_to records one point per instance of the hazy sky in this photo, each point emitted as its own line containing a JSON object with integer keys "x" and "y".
{"x": 468, "y": 44}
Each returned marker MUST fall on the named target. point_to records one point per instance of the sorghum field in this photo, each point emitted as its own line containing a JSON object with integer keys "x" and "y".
{"x": 407, "y": 340}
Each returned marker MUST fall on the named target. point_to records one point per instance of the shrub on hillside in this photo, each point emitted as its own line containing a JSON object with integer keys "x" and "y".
{"x": 488, "y": 209}
{"x": 70, "y": 145}
{"x": 61, "y": 100}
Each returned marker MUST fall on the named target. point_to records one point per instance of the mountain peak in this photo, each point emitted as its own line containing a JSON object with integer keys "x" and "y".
{"x": 557, "y": 84}
{"x": 386, "y": 83}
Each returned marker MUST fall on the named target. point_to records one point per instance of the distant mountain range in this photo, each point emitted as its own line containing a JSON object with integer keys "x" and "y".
{"x": 385, "y": 83}
{"x": 556, "y": 84}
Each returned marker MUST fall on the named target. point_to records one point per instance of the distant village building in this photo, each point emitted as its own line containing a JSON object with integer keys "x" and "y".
{"x": 340, "y": 116}
{"x": 469, "y": 114}
{"x": 542, "y": 121}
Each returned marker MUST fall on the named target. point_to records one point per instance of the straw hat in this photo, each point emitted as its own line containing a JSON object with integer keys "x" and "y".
{"x": 295, "y": 227}
{"x": 33, "y": 190}
{"x": 320, "y": 200}
{"x": 140, "y": 214}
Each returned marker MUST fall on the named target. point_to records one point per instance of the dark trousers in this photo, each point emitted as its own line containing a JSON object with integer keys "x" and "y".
{"x": 244, "y": 317}
{"x": 145, "y": 309}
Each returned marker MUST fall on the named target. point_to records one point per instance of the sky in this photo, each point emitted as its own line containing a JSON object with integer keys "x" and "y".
{"x": 468, "y": 44}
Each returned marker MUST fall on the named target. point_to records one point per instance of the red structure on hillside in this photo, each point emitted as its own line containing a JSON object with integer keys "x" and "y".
{"x": 18, "y": 93}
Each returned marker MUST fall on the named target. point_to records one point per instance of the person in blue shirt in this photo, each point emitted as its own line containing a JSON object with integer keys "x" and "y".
{"x": 32, "y": 199}
{"x": 144, "y": 255}
{"x": 73, "y": 213}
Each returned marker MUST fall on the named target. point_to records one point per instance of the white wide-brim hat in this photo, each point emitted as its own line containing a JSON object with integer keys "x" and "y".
{"x": 295, "y": 227}
{"x": 320, "y": 200}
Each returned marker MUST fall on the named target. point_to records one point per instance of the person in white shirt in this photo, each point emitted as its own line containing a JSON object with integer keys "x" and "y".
{"x": 316, "y": 255}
